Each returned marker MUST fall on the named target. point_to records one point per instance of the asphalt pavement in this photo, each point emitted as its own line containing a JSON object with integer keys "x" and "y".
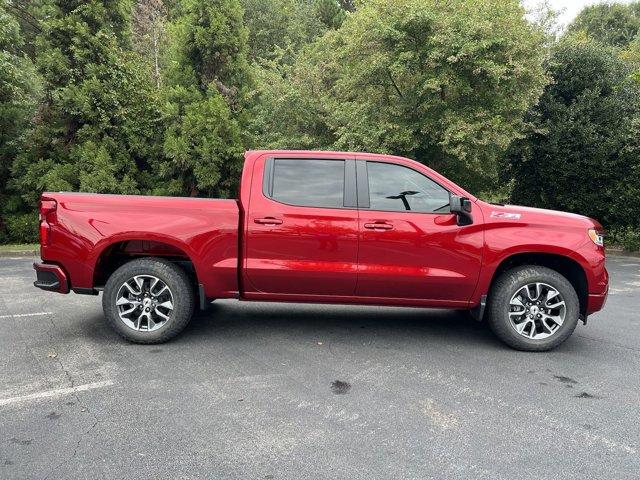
{"x": 280, "y": 391}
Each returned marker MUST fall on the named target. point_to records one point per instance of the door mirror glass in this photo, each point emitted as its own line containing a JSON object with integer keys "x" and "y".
{"x": 462, "y": 207}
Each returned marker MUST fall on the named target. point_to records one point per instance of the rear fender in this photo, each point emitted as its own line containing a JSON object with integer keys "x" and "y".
{"x": 144, "y": 243}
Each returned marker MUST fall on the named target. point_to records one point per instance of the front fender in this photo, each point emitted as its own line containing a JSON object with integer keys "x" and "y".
{"x": 504, "y": 242}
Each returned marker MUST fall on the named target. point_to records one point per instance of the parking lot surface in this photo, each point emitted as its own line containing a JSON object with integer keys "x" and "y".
{"x": 278, "y": 391}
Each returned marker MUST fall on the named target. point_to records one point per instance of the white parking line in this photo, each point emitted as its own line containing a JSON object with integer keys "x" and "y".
{"x": 19, "y": 315}
{"x": 55, "y": 393}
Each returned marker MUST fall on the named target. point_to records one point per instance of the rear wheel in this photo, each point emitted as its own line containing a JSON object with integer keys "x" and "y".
{"x": 148, "y": 300}
{"x": 533, "y": 308}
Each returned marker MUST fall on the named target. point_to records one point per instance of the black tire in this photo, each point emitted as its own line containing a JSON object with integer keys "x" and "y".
{"x": 499, "y": 306}
{"x": 173, "y": 276}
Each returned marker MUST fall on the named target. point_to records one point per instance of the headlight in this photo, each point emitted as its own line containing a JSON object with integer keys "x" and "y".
{"x": 596, "y": 237}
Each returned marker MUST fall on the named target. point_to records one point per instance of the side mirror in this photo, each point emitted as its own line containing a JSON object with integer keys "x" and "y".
{"x": 461, "y": 206}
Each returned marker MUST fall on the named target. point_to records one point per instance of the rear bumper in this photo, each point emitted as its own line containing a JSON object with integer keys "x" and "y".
{"x": 51, "y": 278}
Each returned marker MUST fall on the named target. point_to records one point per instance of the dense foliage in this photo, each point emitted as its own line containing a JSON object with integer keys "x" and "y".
{"x": 18, "y": 91}
{"x": 96, "y": 125}
{"x": 444, "y": 83}
{"x": 583, "y": 151}
{"x": 163, "y": 96}
{"x": 614, "y": 24}
{"x": 205, "y": 99}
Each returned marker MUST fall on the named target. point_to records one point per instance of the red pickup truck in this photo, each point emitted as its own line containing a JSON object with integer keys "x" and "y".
{"x": 326, "y": 227}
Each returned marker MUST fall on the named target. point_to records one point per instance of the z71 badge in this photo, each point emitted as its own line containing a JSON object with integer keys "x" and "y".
{"x": 506, "y": 215}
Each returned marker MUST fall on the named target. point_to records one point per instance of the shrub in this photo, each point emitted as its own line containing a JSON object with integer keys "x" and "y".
{"x": 20, "y": 228}
{"x": 630, "y": 240}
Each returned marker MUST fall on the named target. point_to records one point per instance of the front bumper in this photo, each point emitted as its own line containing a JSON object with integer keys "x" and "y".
{"x": 596, "y": 301}
{"x": 51, "y": 278}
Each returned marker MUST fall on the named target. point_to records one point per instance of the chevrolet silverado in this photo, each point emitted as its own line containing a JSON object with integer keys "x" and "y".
{"x": 326, "y": 227}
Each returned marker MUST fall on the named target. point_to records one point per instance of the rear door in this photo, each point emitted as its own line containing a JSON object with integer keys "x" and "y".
{"x": 410, "y": 244}
{"x": 302, "y": 228}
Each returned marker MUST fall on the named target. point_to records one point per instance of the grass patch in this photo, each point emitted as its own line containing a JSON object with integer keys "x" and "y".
{"x": 20, "y": 248}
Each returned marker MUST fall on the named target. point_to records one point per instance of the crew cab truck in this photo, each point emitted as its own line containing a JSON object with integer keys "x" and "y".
{"x": 326, "y": 227}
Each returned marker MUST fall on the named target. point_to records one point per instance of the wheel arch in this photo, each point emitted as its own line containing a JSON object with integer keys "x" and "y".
{"x": 564, "y": 265}
{"x": 122, "y": 250}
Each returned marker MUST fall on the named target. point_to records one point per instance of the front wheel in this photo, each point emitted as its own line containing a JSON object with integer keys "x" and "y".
{"x": 148, "y": 300}
{"x": 533, "y": 308}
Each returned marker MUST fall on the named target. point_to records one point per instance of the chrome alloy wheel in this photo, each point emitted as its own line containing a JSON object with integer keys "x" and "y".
{"x": 537, "y": 311}
{"x": 145, "y": 303}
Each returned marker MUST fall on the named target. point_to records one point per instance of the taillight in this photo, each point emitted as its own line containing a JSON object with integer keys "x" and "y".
{"x": 47, "y": 218}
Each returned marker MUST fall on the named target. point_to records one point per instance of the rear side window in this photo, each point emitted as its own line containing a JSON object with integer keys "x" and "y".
{"x": 308, "y": 183}
{"x": 397, "y": 188}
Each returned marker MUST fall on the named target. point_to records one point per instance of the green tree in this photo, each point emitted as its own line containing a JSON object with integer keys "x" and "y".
{"x": 18, "y": 91}
{"x": 278, "y": 29}
{"x": 329, "y": 12}
{"x": 632, "y": 56}
{"x": 28, "y": 14}
{"x": 290, "y": 111}
{"x": 150, "y": 39}
{"x": 613, "y": 24}
{"x": 446, "y": 83}
{"x": 208, "y": 90}
{"x": 97, "y": 126}
{"x": 582, "y": 153}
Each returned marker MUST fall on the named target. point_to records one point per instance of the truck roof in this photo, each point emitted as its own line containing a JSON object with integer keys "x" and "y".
{"x": 252, "y": 155}
{"x": 310, "y": 153}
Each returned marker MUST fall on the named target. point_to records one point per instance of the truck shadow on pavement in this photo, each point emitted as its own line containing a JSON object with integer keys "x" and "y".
{"x": 226, "y": 319}
{"x": 229, "y": 319}
{"x": 241, "y": 323}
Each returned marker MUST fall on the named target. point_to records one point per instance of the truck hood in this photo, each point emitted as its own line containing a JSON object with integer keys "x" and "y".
{"x": 522, "y": 214}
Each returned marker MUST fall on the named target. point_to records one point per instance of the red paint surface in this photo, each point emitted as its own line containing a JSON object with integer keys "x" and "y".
{"x": 309, "y": 254}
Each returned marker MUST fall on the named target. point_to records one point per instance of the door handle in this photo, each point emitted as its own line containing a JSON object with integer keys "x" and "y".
{"x": 268, "y": 221}
{"x": 378, "y": 226}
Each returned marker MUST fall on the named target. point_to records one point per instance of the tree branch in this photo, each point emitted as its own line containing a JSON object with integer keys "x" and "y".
{"x": 393, "y": 83}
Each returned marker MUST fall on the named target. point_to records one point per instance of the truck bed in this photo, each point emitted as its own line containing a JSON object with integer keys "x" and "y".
{"x": 87, "y": 227}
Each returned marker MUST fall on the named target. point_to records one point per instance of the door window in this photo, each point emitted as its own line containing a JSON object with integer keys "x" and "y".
{"x": 397, "y": 188}
{"x": 308, "y": 183}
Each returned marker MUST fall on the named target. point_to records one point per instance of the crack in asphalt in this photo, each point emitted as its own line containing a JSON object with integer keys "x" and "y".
{"x": 78, "y": 402}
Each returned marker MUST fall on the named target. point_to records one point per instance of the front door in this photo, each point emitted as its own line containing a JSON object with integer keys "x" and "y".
{"x": 410, "y": 244}
{"x": 302, "y": 228}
